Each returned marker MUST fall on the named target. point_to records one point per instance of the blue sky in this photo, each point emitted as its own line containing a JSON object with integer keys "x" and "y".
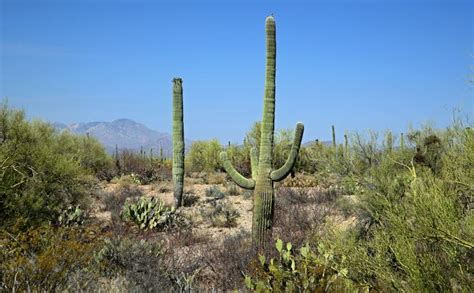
{"x": 356, "y": 64}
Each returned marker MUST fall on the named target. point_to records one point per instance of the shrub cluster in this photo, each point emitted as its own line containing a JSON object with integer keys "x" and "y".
{"x": 43, "y": 172}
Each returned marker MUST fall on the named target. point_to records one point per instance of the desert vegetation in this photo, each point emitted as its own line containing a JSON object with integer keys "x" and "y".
{"x": 379, "y": 212}
{"x": 376, "y": 215}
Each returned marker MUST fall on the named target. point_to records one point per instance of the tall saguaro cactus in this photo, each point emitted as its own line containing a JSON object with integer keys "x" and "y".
{"x": 178, "y": 142}
{"x": 263, "y": 176}
{"x": 333, "y": 137}
{"x": 346, "y": 146}
{"x": 402, "y": 142}
{"x": 389, "y": 138}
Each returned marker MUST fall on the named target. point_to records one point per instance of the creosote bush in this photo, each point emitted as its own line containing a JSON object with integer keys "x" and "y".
{"x": 42, "y": 172}
{"x": 221, "y": 214}
{"x": 214, "y": 193}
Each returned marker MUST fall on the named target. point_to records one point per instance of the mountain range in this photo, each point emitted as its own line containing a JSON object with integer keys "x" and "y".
{"x": 125, "y": 134}
{"x": 131, "y": 135}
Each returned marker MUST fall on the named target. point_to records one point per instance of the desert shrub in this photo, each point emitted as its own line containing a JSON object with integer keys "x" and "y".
{"x": 221, "y": 214}
{"x": 214, "y": 193}
{"x": 164, "y": 187}
{"x": 147, "y": 213}
{"x": 144, "y": 168}
{"x": 42, "y": 171}
{"x": 300, "y": 213}
{"x": 216, "y": 178}
{"x": 346, "y": 205}
{"x": 115, "y": 200}
{"x": 189, "y": 199}
{"x": 126, "y": 179}
{"x": 240, "y": 158}
{"x": 233, "y": 189}
{"x": 44, "y": 258}
{"x": 310, "y": 270}
{"x": 283, "y": 140}
{"x": 248, "y": 194}
{"x": 413, "y": 233}
{"x": 301, "y": 180}
{"x": 140, "y": 263}
{"x": 204, "y": 156}
{"x": 92, "y": 155}
{"x": 228, "y": 260}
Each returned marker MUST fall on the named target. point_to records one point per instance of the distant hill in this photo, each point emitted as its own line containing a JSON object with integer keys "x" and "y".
{"x": 126, "y": 134}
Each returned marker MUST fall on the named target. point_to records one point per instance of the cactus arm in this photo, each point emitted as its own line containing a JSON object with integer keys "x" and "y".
{"x": 280, "y": 174}
{"x": 235, "y": 175}
{"x": 254, "y": 162}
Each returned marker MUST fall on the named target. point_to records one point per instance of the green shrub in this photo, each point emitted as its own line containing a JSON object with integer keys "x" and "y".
{"x": 214, "y": 192}
{"x": 43, "y": 259}
{"x": 143, "y": 168}
{"x": 140, "y": 263}
{"x": 42, "y": 171}
{"x": 147, "y": 213}
{"x": 414, "y": 230}
{"x": 233, "y": 189}
{"x": 221, "y": 214}
{"x": 204, "y": 156}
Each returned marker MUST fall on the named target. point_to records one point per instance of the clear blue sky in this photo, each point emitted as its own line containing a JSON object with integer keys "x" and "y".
{"x": 355, "y": 64}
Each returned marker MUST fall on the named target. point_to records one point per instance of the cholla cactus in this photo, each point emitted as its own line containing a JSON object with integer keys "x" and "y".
{"x": 263, "y": 176}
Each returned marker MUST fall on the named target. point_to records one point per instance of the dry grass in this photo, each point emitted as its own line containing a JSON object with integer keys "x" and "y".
{"x": 211, "y": 250}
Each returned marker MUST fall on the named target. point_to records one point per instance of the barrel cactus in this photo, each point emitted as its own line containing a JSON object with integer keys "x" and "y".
{"x": 263, "y": 177}
{"x": 178, "y": 142}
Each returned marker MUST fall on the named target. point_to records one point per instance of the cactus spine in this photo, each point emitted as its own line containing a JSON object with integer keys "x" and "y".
{"x": 178, "y": 142}
{"x": 263, "y": 176}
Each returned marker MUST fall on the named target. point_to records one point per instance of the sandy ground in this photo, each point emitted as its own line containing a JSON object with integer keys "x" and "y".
{"x": 202, "y": 226}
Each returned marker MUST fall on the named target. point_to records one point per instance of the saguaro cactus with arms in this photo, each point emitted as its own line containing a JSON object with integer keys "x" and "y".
{"x": 263, "y": 176}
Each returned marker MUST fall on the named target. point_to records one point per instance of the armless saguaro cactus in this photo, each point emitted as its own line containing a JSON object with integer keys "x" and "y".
{"x": 346, "y": 146}
{"x": 389, "y": 138}
{"x": 263, "y": 176}
{"x": 178, "y": 142}
{"x": 402, "y": 142}
{"x": 333, "y": 137}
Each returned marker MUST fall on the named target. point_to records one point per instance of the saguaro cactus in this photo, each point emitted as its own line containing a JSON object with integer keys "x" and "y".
{"x": 178, "y": 142}
{"x": 333, "y": 137}
{"x": 263, "y": 176}
{"x": 346, "y": 146}
{"x": 402, "y": 142}
{"x": 389, "y": 138}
